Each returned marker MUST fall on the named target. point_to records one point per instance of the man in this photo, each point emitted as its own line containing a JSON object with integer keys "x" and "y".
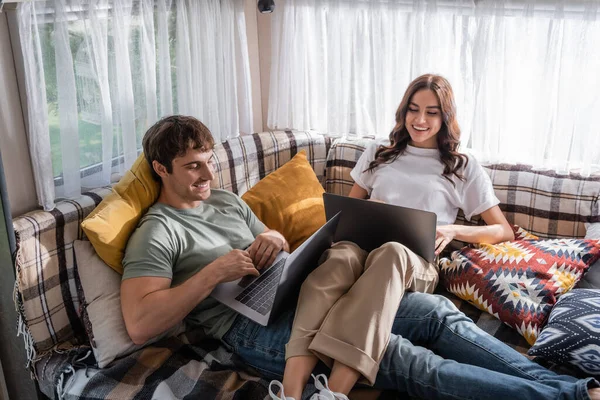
{"x": 194, "y": 238}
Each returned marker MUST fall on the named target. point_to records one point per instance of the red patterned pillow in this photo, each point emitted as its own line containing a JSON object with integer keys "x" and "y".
{"x": 521, "y": 233}
{"x": 518, "y": 281}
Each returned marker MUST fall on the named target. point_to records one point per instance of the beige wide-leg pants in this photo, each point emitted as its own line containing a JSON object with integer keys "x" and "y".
{"x": 347, "y": 305}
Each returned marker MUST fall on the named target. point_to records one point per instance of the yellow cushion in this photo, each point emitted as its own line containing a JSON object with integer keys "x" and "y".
{"x": 289, "y": 200}
{"x": 110, "y": 224}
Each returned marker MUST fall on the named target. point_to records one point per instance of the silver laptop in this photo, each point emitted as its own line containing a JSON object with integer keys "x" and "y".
{"x": 370, "y": 224}
{"x": 262, "y": 298}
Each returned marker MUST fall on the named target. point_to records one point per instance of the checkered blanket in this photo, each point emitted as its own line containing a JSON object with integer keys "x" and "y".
{"x": 188, "y": 366}
{"x": 49, "y": 297}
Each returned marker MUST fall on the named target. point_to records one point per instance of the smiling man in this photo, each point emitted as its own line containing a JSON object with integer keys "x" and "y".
{"x": 190, "y": 240}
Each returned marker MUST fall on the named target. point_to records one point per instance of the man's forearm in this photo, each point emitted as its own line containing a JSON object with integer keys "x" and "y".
{"x": 162, "y": 309}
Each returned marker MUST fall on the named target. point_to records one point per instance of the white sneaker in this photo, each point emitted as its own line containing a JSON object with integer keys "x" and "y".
{"x": 324, "y": 392}
{"x": 280, "y": 386}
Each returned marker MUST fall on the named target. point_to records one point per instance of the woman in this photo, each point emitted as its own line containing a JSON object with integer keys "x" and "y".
{"x": 349, "y": 313}
{"x": 419, "y": 168}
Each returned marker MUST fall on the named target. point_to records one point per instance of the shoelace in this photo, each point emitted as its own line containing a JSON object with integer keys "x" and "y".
{"x": 280, "y": 387}
{"x": 324, "y": 392}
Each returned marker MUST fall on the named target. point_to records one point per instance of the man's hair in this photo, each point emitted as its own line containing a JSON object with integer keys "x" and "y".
{"x": 171, "y": 137}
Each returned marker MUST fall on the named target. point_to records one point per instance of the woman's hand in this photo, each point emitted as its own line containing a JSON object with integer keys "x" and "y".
{"x": 265, "y": 248}
{"x": 444, "y": 234}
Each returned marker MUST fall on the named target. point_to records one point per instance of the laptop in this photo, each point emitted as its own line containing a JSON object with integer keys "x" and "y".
{"x": 262, "y": 298}
{"x": 370, "y": 224}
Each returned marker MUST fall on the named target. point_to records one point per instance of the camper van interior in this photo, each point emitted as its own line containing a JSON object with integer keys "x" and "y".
{"x": 151, "y": 149}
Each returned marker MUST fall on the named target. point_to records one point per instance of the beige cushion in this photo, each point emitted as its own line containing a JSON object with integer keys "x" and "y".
{"x": 105, "y": 326}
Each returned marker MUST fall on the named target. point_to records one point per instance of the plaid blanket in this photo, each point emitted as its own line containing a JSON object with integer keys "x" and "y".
{"x": 188, "y": 366}
{"x": 191, "y": 366}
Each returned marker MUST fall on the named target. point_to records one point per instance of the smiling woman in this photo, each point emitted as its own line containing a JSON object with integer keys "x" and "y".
{"x": 424, "y": 119}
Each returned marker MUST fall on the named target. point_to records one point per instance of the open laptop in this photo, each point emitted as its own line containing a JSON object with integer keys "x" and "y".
{"x": 370, "y": 224}
{"x": 262, "y": 298}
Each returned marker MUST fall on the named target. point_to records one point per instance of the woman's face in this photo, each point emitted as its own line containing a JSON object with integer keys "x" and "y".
{"x": 424, "y": 119}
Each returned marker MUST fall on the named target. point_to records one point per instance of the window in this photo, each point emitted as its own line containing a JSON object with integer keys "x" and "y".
{"x": 99, "y": 74}
{"x": 524, "y": 73}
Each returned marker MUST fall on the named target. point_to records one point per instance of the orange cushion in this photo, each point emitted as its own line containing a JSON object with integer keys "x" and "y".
{"x": 289, "y": 200}
{"x": 110, "y": 224}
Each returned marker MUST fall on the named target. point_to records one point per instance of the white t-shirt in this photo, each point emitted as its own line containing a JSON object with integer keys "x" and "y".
{"x": 415, "y": 180}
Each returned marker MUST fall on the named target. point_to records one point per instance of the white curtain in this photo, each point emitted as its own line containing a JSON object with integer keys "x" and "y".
{"x": 100, "y": 72}
{"x": 525, "y": 73}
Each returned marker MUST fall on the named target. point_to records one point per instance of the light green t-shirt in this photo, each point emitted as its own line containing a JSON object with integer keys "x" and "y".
{"x": 175, "y": 244}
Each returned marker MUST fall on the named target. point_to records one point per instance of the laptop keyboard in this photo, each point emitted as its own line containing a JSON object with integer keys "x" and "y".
{"x": 260, "y": 294}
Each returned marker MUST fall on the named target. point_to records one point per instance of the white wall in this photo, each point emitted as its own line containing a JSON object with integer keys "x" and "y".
{"x": 253, "y": 54}
{"x": 264, "y": 51}
{"x": 13, "y": 138}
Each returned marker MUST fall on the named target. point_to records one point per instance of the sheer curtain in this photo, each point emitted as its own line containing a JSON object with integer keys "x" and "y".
{"x": 525, "y": 73}
{"x": 100, "y": 72}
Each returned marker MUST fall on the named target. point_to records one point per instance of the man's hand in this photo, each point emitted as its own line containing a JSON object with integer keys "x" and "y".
{"x": 266, "y": 246}
{"x": 232, "y": 266}
{"x": 443, "y": 236}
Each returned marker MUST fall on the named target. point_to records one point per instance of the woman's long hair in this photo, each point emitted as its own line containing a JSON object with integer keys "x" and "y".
{"x": 448, "y": 138}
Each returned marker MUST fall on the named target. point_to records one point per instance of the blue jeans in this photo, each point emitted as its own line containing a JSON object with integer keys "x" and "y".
{"x": 435, "y": 351}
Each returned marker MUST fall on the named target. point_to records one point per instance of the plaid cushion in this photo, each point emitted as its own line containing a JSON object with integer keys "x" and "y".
{"x": 243, "y": 161}
{"x": 48, "y": 292}
{"x": 544, "y": 203}
{"x": 47, "y": 284}
{"x": 341, "y": 159}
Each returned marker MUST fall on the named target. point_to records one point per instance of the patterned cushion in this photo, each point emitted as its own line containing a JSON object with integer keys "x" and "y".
{"x": 521, "y": 233}
{"x": 544, "y": 203}
{"x": 572, "y": 334}
{"x": 519, "y": 281}
{"x": 48, "y": 291}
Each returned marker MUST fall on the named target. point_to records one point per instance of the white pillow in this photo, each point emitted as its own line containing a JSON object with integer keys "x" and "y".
{"x": 591, "y": 279}
{"x": 101, "y": 288}
{"x": 592, "y": 230}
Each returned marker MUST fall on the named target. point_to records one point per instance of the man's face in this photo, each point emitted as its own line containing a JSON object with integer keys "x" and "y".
{"x": 189, "y": 182}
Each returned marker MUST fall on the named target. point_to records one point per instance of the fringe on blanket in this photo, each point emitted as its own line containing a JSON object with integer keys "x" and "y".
{"x": 22, "y": 328}
{"x": 62, "y": 382}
